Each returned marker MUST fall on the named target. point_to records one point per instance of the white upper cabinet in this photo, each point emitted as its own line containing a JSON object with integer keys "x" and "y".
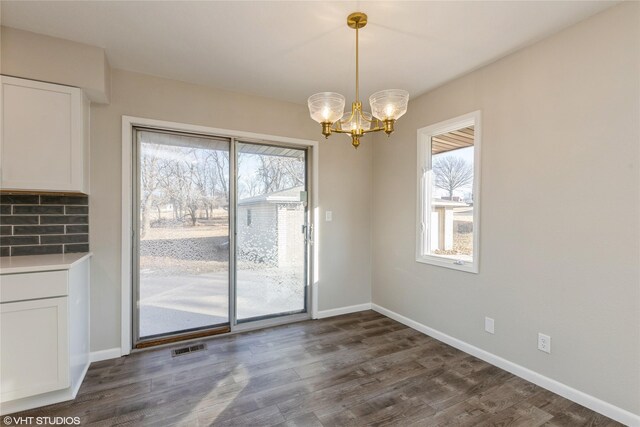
{"x": 44, "y": 134}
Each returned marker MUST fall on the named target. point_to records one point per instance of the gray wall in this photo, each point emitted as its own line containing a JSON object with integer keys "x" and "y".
{"x": 345, "y": 185}
{"x": 560, "y": 209}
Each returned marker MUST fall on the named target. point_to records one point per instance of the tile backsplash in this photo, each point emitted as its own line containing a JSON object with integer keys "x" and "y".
{"x": 38, "y": 224}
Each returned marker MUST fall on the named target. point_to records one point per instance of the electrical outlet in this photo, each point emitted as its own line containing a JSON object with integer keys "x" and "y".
{"x": 544, "y": 343}
{"x": 489, "y": 325}
{"x": 328, "y": 216}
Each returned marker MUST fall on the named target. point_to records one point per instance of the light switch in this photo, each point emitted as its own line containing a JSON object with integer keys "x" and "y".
{"x": 328, "y": 216}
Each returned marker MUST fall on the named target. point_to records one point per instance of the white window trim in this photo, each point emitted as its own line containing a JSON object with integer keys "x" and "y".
{"x": 128, "y": 124}
{"x": 425, "y": 176}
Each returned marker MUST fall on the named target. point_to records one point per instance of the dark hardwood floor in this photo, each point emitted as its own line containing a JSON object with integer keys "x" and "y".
{"x": 358, "y": 369}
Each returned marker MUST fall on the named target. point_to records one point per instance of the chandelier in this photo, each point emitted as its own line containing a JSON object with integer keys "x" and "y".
{"x": 387, "y": 106}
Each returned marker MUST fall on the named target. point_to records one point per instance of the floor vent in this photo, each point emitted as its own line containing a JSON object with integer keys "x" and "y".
{"x": 187, "y": 350}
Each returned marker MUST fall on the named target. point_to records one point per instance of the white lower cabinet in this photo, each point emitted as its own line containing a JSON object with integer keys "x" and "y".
{"x": 44, "y": 336}
{"x": 35, "y": 347}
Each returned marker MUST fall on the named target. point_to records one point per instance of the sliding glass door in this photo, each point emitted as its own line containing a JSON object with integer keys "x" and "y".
{"x": 271, "y": 230}
{"x": 183, "y": 234}
{"x": 192, "y": 275}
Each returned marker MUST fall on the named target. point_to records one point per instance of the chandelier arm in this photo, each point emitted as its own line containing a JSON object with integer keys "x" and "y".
{"x": 341, "y": 131}
{"x": 376, "y": 129}
{"x": 370, "y": 121}
{"x": 353, "y": 114}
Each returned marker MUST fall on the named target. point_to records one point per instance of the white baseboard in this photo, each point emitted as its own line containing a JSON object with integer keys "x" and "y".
{"x": 76, "y": 387}
{"x": 36, "y": 401}
{"x": 110, "y": 353}
{"x": 343, "y": 310}
{"x": 591, "y": 402}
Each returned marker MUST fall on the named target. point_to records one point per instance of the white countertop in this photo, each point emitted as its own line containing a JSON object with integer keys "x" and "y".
{"x": 34, "y": 263}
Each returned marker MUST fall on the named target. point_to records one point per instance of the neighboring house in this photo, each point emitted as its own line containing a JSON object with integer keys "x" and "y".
{"x": 442, "y": 217}
{"x": 270, "y": 228}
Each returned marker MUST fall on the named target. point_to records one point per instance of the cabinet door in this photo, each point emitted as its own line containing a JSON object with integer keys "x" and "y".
{"x": 42, "y": 136}
{"x": 34, "y": 356}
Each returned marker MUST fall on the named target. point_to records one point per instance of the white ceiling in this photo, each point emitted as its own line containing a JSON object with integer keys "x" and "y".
{"x": 290, "y": 50}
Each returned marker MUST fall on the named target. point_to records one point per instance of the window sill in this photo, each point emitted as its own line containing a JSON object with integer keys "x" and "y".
{"x": 468, "y": 267}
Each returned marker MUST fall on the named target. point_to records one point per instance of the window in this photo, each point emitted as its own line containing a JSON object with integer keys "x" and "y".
{"x": 448, "y": 193}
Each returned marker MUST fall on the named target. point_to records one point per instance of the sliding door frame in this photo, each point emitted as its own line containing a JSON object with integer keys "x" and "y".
{"x": 128, "y": 230}
{"x": 233, "y": 198}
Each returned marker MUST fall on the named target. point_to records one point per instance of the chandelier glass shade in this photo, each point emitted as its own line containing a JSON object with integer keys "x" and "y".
{"x": 387, "y": 106}
{"x": 326, "y": 107}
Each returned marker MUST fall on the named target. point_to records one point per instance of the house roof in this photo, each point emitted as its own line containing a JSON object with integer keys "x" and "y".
{"x": 461, "y": 138}
{"x": 447, "y": 203}
{"x": 290, "y": 195}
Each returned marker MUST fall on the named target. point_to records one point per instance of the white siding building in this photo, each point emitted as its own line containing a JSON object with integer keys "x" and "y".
{"x": 270, "y": 228}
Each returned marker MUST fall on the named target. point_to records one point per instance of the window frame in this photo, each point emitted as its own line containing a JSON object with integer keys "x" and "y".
{"x": 424, "y": 188}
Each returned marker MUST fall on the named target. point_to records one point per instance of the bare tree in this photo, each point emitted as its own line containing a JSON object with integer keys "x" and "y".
{"x": 191, "y": 180}
{"x": 452, "y": 173}
{"x": 221, "y": 162}
{"x": 249, "y": 186}
{"x": 186, "y": 174}
{"x": 294, "y": 171}
{"x": 205, "y": 179}
{"x": 194, "y": 181}
{"x": 280, "y": 173}
{"x": 150, "y": 169}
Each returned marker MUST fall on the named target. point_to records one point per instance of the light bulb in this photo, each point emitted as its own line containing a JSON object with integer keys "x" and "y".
{"x": 356, "y": 122}
{"x": 388, "y": 111}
